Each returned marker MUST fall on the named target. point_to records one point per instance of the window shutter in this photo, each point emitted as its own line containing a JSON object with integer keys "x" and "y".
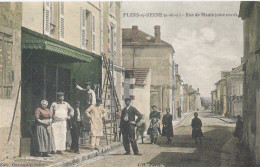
{"x": 93, "y": 34}
{"x": 46, "y": 18}
{"x": 114, "y": 54}
{"x": 83, "y": 28}
{"x": 62, "y": 21}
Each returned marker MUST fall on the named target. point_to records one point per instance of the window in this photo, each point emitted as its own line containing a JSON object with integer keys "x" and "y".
{"x": 85, "y": 31}
{"x": 6, "y": 72}
{"x": 112, "y": 41}
{"x": 47, "y": 18}
{"x": 61, "y": 11}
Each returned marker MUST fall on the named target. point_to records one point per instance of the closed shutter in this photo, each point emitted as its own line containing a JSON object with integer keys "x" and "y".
{"x": 47, "y": 18}
{"x": 93, "y": 34}
{"x": 114, "y": 44}
{"x": 61, "y": 21}
{"x": 83, "y": 28}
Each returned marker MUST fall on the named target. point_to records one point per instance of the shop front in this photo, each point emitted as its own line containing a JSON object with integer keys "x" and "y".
{"x": 49, "y": 66}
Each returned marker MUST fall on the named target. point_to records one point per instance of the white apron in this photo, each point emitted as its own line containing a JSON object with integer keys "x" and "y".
{"x": 59, "y": 128}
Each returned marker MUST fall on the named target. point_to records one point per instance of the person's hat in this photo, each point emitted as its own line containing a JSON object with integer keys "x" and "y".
{"x": 76, "y": 101}
{"x": 127, "y": 99}
{"x": 60, "y": 94}
{"x": 99, "y": 100}
{"x": 87, "y": 83}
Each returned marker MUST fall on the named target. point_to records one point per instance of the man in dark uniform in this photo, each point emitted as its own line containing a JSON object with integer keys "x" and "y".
{"x": 75, "y": 124}
{"x": 127, "y": 126}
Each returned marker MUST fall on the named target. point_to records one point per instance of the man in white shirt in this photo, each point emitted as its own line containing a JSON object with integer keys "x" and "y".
{"x": 61, "y": 111}
{"x": 90, "y": 100}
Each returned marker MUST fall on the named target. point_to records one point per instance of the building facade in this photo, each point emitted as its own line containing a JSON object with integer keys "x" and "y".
{"x": 10, "y": 78}
{"x": 141, "y": 50}
{"x": 214, "y": 101}
{"x": 250, "y": 14}
{"x": 235, "y": 92}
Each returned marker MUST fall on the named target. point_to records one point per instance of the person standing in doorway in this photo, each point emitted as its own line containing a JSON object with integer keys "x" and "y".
{"x": 196, "y": 128}
{"x": 127, "y": 126}
{"x": 167, "y": 125}
{"x": 61, "y": 111}
{"x": 97, "y": 114}
{"x": 44, "y": 134}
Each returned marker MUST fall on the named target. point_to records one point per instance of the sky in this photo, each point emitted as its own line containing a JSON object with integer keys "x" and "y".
{"x": 204, "y": 45}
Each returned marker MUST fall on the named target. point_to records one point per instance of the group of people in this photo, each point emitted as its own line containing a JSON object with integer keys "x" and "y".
{"x": 52, "y": 124}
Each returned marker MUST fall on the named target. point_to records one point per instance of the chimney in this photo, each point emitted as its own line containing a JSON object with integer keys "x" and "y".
{"x": 157, "y": 33}
{"x": 176, "y": 69}
{"x": 198, "y": 90}
{"x": 134, "y": 33}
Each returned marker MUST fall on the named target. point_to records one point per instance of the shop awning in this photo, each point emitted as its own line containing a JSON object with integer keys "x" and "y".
{"x": 41, "y": 43}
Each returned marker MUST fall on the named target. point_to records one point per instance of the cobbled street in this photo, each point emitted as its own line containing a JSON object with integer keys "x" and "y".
{"x": 219, "y": 148}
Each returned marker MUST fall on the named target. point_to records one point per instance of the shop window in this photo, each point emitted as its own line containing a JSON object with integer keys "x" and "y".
{"x": 6, "y": 72}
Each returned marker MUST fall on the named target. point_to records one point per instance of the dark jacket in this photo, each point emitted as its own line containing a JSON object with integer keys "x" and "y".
{"x": 196, "y": 127}
{"x": 132, "y": 112}
{"x": 155, "y": 114}
{"x": 167, "y": 125}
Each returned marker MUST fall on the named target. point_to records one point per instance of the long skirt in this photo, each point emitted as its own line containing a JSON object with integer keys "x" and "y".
{"x": 196, "y": 132}
{"x": 59, "y": 133}
{"x": 44, "y": 137}
{"x": 167, "y": 131}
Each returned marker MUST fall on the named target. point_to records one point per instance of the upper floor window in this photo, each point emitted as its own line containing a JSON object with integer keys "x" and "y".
{"x": 48, "y": 26}
{"x": 6, "y": 72}
{"x": 61, "y": 20}
{"x": 85, "y": 28}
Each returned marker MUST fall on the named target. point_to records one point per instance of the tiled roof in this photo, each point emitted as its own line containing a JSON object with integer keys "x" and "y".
{"x": 139, "y": 74}
{"x": 142, "y": 38}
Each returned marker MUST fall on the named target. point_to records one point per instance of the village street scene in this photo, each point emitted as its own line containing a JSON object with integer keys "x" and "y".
{"x": 110, "y": 83}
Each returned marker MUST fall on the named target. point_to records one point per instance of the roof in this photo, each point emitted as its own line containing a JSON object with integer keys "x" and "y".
{"x": 35, "y": 41}
{"x": 139, "y": 74}
{"x": 142, "y": 39}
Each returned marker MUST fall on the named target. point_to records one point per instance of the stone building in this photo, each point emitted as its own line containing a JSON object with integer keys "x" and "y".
{"x": 186, "y": 99}
{"x": 221, "y": 87}
{"x": 235, "y": 92}
{"x": 10, "y": 78}
{"x": 178, "y": 93}
{"x": 250, "y": 14}
{"x": 58, "y": 43}
{"x": 194, "y": 100}
{"x": 214, "y": 101}
{"x": 137, "y": 86}
{"x": 141, "y": 50}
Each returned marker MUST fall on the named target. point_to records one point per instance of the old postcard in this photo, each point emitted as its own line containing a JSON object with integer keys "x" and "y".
{"x": 128, "y": 84}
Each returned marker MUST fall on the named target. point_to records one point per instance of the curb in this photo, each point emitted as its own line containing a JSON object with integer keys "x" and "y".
{"x": 81, "y": 158}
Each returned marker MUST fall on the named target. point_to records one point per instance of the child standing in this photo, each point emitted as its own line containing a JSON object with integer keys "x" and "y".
{"x": 154, "y": 130}
{"x": 141, "y": 126}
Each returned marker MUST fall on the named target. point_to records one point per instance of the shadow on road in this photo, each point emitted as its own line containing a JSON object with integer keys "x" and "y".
{"x": 187, "y": 153}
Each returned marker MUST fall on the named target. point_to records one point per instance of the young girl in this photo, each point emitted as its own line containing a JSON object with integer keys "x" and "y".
{"x": 154, "y": 130}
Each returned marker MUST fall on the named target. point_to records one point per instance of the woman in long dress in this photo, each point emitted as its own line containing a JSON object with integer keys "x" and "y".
{"x": 44, "y": 134}
{"x": 167, "y": 126}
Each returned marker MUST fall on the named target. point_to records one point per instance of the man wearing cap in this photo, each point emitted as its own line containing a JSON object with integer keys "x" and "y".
{"x": 96, "y": 113}
{"x": 61, "y": 111}
{"x": 127, "y": 126}
{"x": 75, "y": 124}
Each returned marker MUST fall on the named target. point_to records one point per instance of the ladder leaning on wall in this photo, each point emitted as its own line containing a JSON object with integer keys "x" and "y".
{"x": 108, "y": 93}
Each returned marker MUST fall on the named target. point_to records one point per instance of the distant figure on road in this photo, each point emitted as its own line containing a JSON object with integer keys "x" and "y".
{"x": 154, "y": 130}
{"x": 239, "y": 128}
{"x": 127, "y": 125}
{"x": 196, "y": 128}
{"x": 141, "y": 127}
{"x": 167, "y": 125}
